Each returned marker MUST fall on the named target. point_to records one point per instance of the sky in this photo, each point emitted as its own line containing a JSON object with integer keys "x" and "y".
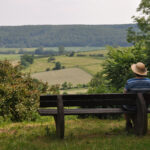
{"x": 42, "y": 12}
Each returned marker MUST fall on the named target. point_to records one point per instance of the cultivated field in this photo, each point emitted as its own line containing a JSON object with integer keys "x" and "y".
{"x": 73, "y": 75}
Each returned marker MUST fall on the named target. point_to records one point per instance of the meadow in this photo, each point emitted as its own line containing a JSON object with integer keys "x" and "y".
{"x": 81, "y": 134}
{"x": 89, "y": 64}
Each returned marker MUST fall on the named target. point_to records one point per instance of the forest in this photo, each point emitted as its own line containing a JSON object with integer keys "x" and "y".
{"x": 66, "y": 35}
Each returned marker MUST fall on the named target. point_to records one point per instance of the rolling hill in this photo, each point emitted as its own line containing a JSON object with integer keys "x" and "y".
{"x": 66, "y": 35}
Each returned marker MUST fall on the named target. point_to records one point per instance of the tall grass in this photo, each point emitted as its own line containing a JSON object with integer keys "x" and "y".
{"x": 80, "y": 134}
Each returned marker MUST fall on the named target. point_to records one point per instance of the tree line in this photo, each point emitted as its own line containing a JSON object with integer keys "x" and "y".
{"x": 66, "y": 35}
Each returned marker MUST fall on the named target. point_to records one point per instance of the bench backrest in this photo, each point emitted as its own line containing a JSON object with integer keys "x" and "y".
{"x": 91, "y": 99}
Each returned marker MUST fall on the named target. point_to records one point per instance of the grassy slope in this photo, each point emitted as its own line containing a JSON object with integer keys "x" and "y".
{"x": 80, "y": 134}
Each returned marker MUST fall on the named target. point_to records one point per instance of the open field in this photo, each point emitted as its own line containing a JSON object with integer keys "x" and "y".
{"x": 98, "y": 51}
{"x": 80, "y": 134}
{"x": 88, "y": 64}
{"x": 73, "y": 75}
{"x": 76, "y": 49}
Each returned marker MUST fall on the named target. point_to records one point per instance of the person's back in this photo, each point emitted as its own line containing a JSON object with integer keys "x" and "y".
{"x": 134, "y": 85}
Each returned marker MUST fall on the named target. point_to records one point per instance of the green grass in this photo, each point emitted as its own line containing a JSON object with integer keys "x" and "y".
{"x": 11, "y": 57}
{"x": 80, "y": 134}
{"x": 88, "y": 64}
{"x": 87, "y": 48}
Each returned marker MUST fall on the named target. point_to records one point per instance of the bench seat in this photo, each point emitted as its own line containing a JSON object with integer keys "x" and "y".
{"x": 48, "y": 112}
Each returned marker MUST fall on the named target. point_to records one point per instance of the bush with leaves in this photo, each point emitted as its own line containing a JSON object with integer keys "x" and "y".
{"x": 19, "y": 93}
{"x": 99, "y": 84}
{"x": 118, "y": 63}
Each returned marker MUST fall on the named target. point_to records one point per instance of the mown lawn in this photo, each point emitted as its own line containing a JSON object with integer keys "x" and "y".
{"x": 80, "y": 134}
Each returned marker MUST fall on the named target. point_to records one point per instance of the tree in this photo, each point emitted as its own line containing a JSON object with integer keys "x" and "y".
{"x": 57, "y": 66}
{"x": 27, "y": 59}
{"x": 141, "y": 37}
{"x": 39, "y": 51}
{"x": 61, "y": 50}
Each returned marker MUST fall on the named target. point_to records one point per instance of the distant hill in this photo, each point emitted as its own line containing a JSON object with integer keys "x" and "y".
{"x": 66, "y": 35}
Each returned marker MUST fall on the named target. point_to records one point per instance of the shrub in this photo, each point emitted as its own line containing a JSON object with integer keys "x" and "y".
{"x": 47, "y": 69}
{"x": 51, "y": 58}
{"x": 57, "y": 66}
{"x": 19, "y": 93}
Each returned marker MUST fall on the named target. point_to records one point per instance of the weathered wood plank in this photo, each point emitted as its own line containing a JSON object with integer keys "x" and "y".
{"x": 48, "y": 112}
{"x": 89, "y": 100}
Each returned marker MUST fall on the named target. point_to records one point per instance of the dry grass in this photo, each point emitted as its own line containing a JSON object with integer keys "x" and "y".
{"x": 74, "y": 91}
{"x": 73, "y": 75}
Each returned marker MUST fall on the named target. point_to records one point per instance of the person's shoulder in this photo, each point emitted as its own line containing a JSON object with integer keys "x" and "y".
{"x": 147, "y": 79}
{"x": 131, "y": 80}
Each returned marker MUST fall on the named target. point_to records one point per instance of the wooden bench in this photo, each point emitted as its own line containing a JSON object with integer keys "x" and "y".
{"x": 53, "y": 105}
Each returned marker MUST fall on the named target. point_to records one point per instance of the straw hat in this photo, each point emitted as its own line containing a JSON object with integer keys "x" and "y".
{"x": 139, "y": 69}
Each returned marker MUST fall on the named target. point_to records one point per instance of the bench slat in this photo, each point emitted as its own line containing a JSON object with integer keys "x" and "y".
{"x": 47, "y": 112}
{"x": 91, "y": 100}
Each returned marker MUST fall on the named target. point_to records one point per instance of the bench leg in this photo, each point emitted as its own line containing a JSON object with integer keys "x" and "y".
{"x": 141, "y": 116}
{"x": 59, "y": 122}
{"x": 59, "y": 118}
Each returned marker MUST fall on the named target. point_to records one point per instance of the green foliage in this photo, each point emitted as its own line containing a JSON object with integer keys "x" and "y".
{"x": 118, "y": 63}
{"x": 39, "y": 51}
{"x": 58, "y": 66}
{"x": 66, "y": 85}
{"x": 141, "y": 37}
{"x": 99, "y": 84}
{"x": 19, "y": 93}
{"x": 48, "y": 69}
{"x": 54, "y": 89}
{"x": 26, "y": 60}
{"x": 71, "y": 54}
